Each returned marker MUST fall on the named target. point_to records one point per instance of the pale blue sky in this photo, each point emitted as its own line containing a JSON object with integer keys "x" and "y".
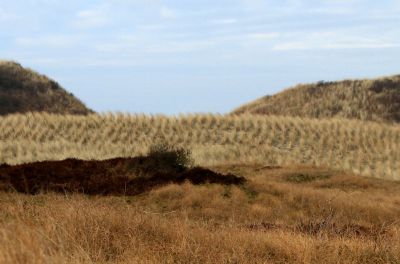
{"x": 156, "y": 56}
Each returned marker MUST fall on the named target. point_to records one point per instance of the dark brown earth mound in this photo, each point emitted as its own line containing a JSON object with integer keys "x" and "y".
{"x": 23, "y": 90}
{"x": 121, "y": 176}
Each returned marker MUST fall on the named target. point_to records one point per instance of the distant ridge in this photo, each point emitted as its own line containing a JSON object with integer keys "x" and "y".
{"x": 24, "y": 90}
{"x": 368, "y": 100}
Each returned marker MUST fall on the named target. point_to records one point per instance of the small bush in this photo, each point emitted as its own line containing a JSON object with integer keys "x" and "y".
{"x": 169, "y": 157}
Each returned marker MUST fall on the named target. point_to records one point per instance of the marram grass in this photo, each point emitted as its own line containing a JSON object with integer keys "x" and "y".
{"x": 365, "y": 148}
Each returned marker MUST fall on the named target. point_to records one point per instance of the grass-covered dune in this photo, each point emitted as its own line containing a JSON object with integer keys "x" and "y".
{"x": 368, "y": 100}
{"x": 23, "y": 90}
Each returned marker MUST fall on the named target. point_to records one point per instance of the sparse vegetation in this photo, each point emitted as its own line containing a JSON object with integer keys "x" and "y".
{"x": 365, "y": 148}
{"x": 23, "y": 90}
{"x": 368, "y": 100}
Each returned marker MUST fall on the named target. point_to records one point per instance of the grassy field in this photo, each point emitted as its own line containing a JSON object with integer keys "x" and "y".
{"x": 281, "y": 215}
{"x": 365, "y": 148}
{"x": 302, "y": 199}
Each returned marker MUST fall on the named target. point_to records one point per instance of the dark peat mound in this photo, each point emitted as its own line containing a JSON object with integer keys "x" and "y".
{"x": 119, "y": 176}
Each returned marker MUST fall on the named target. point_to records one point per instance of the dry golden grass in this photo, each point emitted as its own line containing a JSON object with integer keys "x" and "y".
{"x": 291, "y": 215}
{"x": 364, "y": 148}
{"x": 368, "y": 100}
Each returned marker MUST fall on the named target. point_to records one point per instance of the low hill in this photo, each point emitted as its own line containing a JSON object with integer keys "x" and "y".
{"x": 372, "y": 100}
{"x": 23, "y": 90}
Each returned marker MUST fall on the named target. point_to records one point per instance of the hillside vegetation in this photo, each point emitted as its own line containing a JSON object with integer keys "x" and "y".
{"x": 367, "y": 100}
{"x": 295, "y": 215}
{"x": 23, "y": 90}
{"x": 366, "y": 148}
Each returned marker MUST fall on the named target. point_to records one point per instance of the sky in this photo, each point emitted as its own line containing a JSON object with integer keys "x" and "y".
{"x": 171, "y": 57}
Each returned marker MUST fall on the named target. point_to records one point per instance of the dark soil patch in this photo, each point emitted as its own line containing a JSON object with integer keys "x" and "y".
{"x": 120, "y": 176}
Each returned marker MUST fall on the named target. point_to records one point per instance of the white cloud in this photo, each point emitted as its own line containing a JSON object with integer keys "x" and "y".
{"x": 253, "y": 4}
{"x": 362, "y": 44}
{"x": 330, "y": 11}
{"x": 122, "y": 44}
{"x": 91, "y": 18}
{"x": 224, "y": 21}
{"x": 168, "y": 13}
{"x": 179, "y": 47}
{"x": 333, "y": 41}
{"x": 143, "y": 44}
{"x": 264, "y": 36}
{"x": 49, "y": 41}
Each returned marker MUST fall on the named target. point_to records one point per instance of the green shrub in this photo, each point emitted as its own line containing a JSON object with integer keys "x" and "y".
{"x": 169, "y": 157}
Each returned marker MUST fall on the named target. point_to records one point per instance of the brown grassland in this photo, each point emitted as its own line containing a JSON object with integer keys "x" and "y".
{"x": 295, "y": 214}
